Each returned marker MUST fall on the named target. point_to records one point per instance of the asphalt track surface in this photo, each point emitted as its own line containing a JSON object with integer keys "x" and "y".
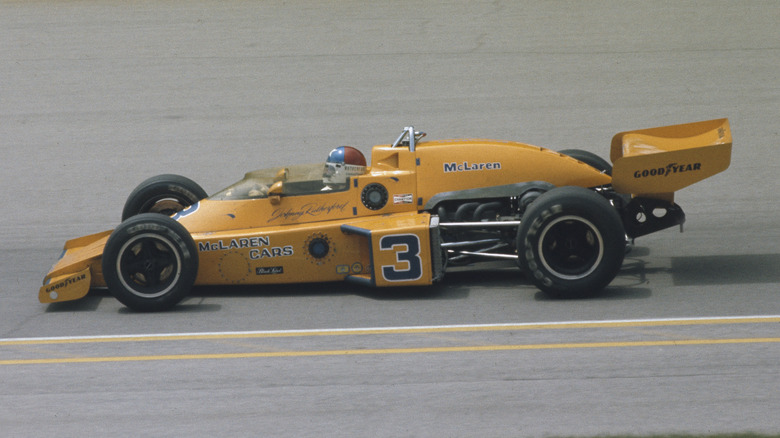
{"x": 96, "y": 96}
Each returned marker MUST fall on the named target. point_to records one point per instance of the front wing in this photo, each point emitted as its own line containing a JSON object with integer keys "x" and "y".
{"x": 77, "y": 270}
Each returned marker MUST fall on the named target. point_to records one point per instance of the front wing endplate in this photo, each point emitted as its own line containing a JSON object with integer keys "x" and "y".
{"x": 66, "y": 287}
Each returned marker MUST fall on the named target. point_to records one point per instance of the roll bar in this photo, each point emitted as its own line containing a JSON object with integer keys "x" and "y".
{"x": 408, "y": 137}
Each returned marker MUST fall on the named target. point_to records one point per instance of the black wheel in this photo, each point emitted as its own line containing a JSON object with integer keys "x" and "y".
{"x": 571, "y": 242}
{"x": 165, "y": 194}
{"x": 590, "y": 159}
{"x": 150, "y": 262}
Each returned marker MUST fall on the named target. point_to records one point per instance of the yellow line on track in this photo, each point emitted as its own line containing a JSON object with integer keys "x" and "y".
{"x": 482, "y": 348}
{"x": 392, "y": 330}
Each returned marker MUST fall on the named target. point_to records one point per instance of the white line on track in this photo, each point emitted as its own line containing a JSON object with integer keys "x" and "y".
{"x": 408, "y": 329}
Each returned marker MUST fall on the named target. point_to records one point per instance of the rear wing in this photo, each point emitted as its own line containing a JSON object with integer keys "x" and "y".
{"x": 656, "y": 162}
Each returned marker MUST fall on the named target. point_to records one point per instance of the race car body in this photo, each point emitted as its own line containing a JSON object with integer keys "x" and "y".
{"x": 420, "y": 207}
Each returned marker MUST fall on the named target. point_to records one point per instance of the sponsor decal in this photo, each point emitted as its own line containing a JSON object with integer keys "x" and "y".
{"x": 269, "y": 270}
{"x": 406, "y": 198}
{"x": 355, "y": 268}
{"x": 276, "y": 251}
{"x": 312, "y": 209}
{"x": 467, "y": 167}
{"x": 319, "y": 248}
{"x": 259, "y": 247}
{"x": 223, "y": 245}
{"x": 670, "y": 169}
{"x": 66, "y": 282}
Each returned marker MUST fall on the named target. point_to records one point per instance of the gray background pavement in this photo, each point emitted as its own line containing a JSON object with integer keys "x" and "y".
{"x": 95, "y": 96}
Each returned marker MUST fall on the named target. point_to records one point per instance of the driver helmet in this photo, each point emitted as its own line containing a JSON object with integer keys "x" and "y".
{"x": 343, "y": 162}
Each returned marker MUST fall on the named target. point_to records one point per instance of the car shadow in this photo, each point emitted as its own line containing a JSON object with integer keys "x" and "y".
{"x": 457, "y": 284}
{"x": 704, "y": 270}
{"x": 726, "y": 269}
{"x": 337, "y": 289}
{"x": 89, "y": 303}
{"x": 630, "y": 283}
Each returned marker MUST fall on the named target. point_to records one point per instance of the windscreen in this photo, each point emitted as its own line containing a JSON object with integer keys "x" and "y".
{"x": 304, "y": 179}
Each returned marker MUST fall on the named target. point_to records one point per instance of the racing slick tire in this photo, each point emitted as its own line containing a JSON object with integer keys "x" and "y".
{"x": 165, "y": 194}
{"x": 590, "y": 159}
{"x": 150, "y": 262}
{"x": 571, "y": 242}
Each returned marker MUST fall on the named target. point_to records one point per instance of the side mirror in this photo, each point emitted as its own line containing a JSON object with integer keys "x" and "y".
{"x": 275, "y": 192}
{"x": 282, "y": 174}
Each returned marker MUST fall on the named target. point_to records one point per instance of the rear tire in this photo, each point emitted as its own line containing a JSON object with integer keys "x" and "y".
{"x": 590, "y": 159}
{"x": 150, "y": 262}
{"x": 571, "y": 242}
{"x": 164, "y": 194}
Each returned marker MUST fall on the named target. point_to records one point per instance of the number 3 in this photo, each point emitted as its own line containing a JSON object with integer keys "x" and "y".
{"x": 407, "y": 250}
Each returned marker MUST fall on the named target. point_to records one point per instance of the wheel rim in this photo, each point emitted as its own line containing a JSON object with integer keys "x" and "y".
{"x": 149, "y": 265}
{"x": 166, "y": 206}
{"x": 571, "y": 247}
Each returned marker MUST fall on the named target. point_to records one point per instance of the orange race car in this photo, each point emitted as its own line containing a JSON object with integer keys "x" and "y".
{"x": 421, "y": 206}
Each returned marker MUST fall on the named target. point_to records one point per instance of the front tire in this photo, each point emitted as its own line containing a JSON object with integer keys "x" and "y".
{"x": 150, "y": 262}
{"x": 571, "y": 242}
{"x": 164, "y": 194}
